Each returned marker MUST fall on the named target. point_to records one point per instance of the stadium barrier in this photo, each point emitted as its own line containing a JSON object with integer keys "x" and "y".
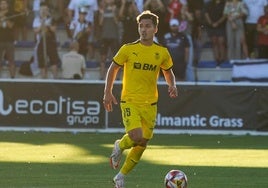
{"x": 63, "y": 104}
{"x": 250, "y": 70}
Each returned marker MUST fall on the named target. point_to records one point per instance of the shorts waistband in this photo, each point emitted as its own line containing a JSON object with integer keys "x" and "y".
{"x": 154, "y": 103}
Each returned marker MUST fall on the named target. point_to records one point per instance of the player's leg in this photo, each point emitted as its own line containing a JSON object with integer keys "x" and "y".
{"x": 119, "y": 146}
{"x": 140, "y": 136}
{"x": 126, "y": 142}
{"x": 128, "y": 114}
{"x": 131, "y": 161}
{"x": 132, "y": 123}
{"x": 132, "y": 158}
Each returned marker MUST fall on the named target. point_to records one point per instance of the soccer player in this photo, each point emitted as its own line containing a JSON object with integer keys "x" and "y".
{"x": 142, "y": 61}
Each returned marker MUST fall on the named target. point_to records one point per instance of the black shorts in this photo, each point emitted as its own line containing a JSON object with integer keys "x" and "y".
{"x": 51, "y": 53}
{"x": 216, "y": 32}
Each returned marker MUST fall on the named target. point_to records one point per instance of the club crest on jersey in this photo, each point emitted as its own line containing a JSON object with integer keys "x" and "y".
{"x": 157, "y": 55}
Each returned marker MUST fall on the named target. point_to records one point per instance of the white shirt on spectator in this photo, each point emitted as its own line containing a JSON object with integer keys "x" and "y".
{"x": 37, "y": 22}
{"x": 72, "y": 63}
{"x": 77, "y": 27}
{"x": 36, "y": 5}
{"x": 139, "y": 4}
{"x": 255, "y": 9}
{"x": 92, "y": 5}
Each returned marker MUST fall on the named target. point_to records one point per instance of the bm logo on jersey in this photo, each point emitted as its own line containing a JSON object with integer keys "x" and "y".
{"x": 145, "y": 66}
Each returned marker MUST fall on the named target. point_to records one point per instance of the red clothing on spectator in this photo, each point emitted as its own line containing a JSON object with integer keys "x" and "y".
{"x": 263, "y": 38}
{"x": 176, "y": 6}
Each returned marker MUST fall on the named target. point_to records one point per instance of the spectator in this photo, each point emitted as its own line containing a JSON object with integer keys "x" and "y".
{"x": 74, "y": 5}
{"x": 63, "y": 11}
{"x": 157, "y": 7}
{"x": 235, "y": 12}
{"x": 262, "y": 28}
{"x": 6, "y": 37}
{"x": 55, "y": 9}
{"x": 20, "y": 8}
{"x": 216, "y": 28}
{"x": 97, "y": 26}
{"x": 109, "y": 34}
{"x": 36, "y": 7}
{"x": 127, "y": 15}
{"x": 73, "y": 63}
{"x": 80, "y": 30}
{"x": 186, "y": 25}
{"x": 178, "y": 47}
{"x": 140, "y": 4}
{"x": 173, "y": 9}
{"x": 196, "y": 8}
{"x": 45, "y": 30}
{"x": 73, "y": 14}
{"x": 255, "y": 10}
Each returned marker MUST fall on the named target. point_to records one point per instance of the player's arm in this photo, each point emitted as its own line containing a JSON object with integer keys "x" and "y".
{"x": 108, "y": 98}
{"x": 170, "y": 79}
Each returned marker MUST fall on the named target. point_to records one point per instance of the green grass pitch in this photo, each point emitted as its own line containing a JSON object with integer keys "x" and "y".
{"x": 67, "y": 160}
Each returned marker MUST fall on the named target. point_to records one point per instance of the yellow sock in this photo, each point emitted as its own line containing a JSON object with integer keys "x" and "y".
{"x": 132, "y": 159}
{"x": 126, "y": 142}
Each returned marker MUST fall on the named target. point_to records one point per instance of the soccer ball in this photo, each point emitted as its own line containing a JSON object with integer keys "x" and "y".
{"x": 176, "y": 179}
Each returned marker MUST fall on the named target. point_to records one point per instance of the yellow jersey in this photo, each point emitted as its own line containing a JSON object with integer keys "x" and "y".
{"x": 141, "y": 69}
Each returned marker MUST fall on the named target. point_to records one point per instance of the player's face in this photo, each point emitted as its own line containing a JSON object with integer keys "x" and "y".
{"x": 147, "y": 29}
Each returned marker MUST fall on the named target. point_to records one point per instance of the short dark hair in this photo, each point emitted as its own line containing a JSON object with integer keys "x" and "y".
{"x": 148, "y": 15}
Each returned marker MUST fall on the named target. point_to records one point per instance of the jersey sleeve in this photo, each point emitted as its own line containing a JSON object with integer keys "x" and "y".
{"x": 167, "y": 62}
{"x": 121, "y": 56}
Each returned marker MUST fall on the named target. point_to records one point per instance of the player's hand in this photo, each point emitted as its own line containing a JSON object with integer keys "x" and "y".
{"x": 173, "y": 92}
{"x": 108, "y": 101}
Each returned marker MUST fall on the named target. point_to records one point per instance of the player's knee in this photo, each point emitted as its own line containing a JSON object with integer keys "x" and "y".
{"x": 139, "y": 140}
{"x": 137, "y": 137}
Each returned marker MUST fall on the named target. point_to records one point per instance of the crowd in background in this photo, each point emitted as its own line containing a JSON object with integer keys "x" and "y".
{"x": 237, "y": 29}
